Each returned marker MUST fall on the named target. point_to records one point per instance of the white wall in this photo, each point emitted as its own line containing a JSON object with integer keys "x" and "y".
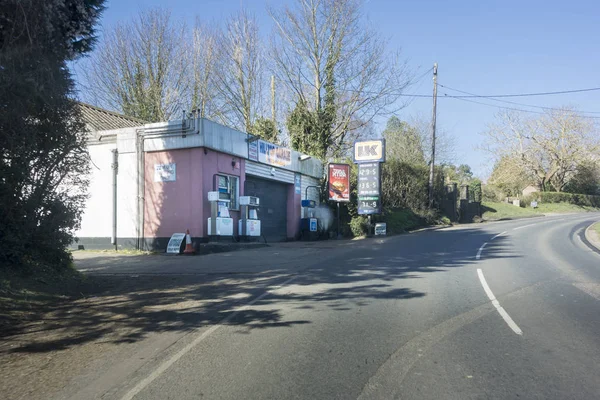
{"x": 126, "y": 196}
{"x": 97, "y": 215}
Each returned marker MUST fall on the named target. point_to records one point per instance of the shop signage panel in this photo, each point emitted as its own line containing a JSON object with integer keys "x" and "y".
{"x": 339, "y": 182}
{"x": 272, "y": 154}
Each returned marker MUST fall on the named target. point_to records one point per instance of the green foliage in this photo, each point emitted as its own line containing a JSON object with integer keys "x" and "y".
{"x": 308, "y": 131}
{"x": 358, "y": 225}
{"x": 492, "y": 193}
{"x": 459, "y": 175}
{"x": 561, "y": 197}
{"x": 266, "y": 129}
{"x": 44, "y": 161}
{"x": 406, "y": 185}
{"x": 403, "y": 142}
{"x": 586, "y": 180}
{"x": 475, "y": 190}
{"x": 402, "y": 220}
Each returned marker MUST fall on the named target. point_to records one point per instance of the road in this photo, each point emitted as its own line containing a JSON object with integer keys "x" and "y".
{"x": 497, "y": 311}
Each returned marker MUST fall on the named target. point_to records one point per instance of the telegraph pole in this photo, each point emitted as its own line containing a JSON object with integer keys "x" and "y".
{"x": 432, "y": 163}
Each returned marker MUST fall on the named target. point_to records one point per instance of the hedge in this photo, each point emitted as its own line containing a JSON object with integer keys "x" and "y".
{"x": 561, "y": 197}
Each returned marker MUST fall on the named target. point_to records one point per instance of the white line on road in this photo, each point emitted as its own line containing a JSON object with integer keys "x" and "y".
{"x": 164, "y": 366}
{"x": 524, "y": 226}
{"x": 498, "y": 235}
{"x": 496, "y": 304}
{"x": 478, "y": 256}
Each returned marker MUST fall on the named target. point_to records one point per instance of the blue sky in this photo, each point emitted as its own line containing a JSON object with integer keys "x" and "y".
{"x": 483, "y": 47}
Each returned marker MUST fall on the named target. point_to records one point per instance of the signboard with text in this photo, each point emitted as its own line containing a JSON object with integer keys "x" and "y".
{"x": 165, "y": 172}
{"x": 369, "y": 151}
{"x": 339, "y": 182}
{"x": 368, "y": 179}
{"x": 253, "y": 151}
{"x": 369, "y": 205}
{"x": 272, "y": 154}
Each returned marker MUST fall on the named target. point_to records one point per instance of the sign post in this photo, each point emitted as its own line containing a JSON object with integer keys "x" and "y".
{"x": 338, "y": 179}
{"x": 369, "y": 155}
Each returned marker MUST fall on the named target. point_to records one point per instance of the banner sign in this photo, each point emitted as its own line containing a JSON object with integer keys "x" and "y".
{"x": 369, "y": 179}
{"x": 272, "y": 154}
{"x": 369, "y": 151}
{"x": 369, "y": 205}
{"x": 165, "y": 172}
{"x": 339, "y": 182}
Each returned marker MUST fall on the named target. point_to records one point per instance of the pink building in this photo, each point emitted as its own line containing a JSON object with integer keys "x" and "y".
{"x": 165, "y": 171}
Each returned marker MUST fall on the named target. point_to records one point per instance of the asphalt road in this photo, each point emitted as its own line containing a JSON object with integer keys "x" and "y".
{"x": 431, "y": 315}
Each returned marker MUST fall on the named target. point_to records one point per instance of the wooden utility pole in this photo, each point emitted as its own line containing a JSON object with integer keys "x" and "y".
{"x": 432, "y": 162}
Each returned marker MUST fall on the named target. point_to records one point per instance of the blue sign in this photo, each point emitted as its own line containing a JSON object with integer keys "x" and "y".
{"x": 313, "y": 224}
{"x": 309, "y": 203}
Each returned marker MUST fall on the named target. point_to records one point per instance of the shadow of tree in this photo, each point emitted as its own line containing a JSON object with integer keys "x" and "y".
{"x": 125, "y": 309}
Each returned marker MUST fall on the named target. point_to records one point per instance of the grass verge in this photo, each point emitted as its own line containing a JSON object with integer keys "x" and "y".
{"x": 496, "y": 211}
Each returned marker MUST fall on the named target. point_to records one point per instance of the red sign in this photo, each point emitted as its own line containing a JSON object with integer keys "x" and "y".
{"x": 339, "y": 182}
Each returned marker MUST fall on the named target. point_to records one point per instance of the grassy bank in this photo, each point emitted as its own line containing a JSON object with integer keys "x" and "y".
{"x": 495, "y": 211}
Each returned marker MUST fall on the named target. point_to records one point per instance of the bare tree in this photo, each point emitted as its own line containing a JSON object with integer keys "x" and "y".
{"x": 140, "y": 68}
{"x": 240, "y": 74}
{"x": 550, "y": 147}
{"x": 325, "y": 55}
{"x": 445, "y": 142}
{"x": 203, "y": 52}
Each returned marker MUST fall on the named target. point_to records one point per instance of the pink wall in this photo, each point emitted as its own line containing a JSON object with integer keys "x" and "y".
{"x": 183, "y": 204}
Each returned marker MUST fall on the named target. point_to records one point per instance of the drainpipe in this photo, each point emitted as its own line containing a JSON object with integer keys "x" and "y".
{"x": 115, "y": 169}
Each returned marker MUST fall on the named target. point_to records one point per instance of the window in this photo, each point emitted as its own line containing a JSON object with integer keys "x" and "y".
{"x": 230, "y": 185}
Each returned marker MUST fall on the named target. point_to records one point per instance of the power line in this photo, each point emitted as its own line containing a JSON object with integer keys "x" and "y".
{"x": 528, "y": 94}
{"x": 507, "y": 108}
{"x": 511, "y": 102}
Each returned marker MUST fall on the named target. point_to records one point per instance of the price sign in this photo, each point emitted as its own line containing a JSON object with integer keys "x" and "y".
{"x": 368, "y": 179}
{"x": 369, "y": 205}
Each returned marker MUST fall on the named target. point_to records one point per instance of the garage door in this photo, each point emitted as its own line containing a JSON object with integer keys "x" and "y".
{"x": 273, "y": 206}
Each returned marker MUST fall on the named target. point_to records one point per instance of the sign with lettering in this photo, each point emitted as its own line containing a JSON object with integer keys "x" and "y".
{"x": 174, "y": 246}
{"x": 272, "y": 154}
{"x": 369, "y": 205}
{"x": 369, "y": 179}
{"x": 369, "y": 151}
{"x": 165, "y": 172}
{"x": 253, "y": 151}
{"x": 339, "y": 182}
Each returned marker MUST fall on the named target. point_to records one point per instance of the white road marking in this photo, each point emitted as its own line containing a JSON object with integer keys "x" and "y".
{"x": 478, "y": 256}
{"x": 165, "y": 365}
{"x": 496, "y": 304}
{"x": 524, "y": 226}
{"x": 498, "y": 235}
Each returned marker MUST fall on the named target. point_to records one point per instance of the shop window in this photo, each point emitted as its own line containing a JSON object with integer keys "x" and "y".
{"x": 230, "y": 185}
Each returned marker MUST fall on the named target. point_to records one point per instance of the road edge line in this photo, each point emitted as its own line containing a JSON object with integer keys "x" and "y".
{"x": 478, "y": 256}
{"x": 486, "y": 288}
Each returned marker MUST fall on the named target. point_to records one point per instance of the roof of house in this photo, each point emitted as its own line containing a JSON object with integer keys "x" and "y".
{"x": 98, "y": 119}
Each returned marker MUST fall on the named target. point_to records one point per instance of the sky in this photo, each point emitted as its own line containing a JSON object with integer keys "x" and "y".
{"x": 482, "y": 47}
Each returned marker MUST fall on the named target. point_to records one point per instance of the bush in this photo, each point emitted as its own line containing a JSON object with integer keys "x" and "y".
{"x": 359, "y": 225}
{"x": 492, "y": 193}
{"x": 561, "y": 197}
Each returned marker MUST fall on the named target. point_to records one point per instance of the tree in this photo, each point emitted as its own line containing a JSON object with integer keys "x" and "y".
{"x": 265, "y": 129}
{"x": 337, "y": 69}
{"x": 204, "y": 94}
{"x": 141, "y": 68}
{"x": 509, "y": 176}
{"x": 586, "y": 179}
{"x": 44, "y": 161}
{"x": 403, "y": 142}
{"x": 549, "y": 147}
{"x": 240, "y": 71}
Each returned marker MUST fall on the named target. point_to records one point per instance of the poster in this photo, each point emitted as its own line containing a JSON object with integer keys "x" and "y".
{"x": 253, "y": 151}
{"x": 165, "y": 172}
{"x": 339, "y": 182}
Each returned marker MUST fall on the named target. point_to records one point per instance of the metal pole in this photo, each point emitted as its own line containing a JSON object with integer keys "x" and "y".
{"x": 115, "y": 168}
{"x": 338, "y": 219}
{"x": 433, "y": 123}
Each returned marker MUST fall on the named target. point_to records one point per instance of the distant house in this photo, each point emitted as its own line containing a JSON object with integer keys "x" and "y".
{"x": 529, "y": 190}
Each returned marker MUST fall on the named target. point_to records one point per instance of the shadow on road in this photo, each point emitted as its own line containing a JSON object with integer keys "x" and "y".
{"x": 125, "y": 309}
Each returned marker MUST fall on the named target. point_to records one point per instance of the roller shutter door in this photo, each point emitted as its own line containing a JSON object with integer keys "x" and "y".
{"x": 273, "y": 206}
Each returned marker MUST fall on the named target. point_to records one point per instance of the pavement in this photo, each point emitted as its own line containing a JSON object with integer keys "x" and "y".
{"x": 499, "y": 310}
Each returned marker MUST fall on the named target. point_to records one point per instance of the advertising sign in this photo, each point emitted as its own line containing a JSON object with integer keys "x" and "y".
{"x": 369, "y": 151}
{"x": 165, "y": 172}
{"x": 174, "y": 245}
{"x": 368, "y": 179}
{"x": 339, "y": 182}
{"x": 369, "y": 205}
{"x": 272, "y": 154}
{"x": 253, "y": 151}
